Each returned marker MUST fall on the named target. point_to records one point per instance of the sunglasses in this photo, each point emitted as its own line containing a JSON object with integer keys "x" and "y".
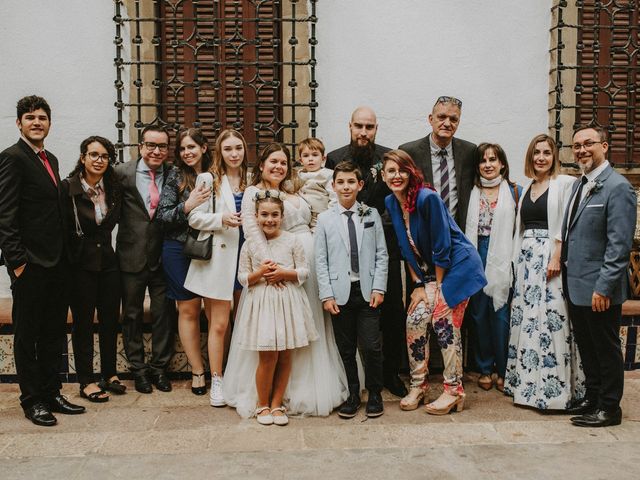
{"x": 444, "y": 99}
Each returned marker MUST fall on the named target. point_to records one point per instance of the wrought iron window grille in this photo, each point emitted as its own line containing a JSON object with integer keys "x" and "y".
{"x": 215, "y": 64}
{"x": 595, "y": 75}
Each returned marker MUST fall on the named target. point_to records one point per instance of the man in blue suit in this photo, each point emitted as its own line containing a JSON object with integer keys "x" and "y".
{"x": 598, "y": 229}
{"x": 351, "y": 265}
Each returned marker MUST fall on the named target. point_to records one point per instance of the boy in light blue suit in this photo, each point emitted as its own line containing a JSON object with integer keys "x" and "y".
{"x": 351, "y": 265}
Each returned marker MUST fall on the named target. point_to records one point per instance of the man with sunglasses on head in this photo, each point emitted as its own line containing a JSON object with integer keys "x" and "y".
{"x": 447, "y": 162}
{"x": 139, "y": 246}
{"x": 33, "y": 250}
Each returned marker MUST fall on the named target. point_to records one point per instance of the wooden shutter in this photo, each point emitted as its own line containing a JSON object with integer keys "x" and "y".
{"x": 220, "y": 67}
{"x": 609, "y": 75}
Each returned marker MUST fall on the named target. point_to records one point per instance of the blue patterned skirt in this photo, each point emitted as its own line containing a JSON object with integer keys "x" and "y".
{"x": 543, "y": 364}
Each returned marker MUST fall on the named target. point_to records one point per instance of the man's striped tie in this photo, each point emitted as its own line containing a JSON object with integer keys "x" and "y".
{"x": 444, "y": 177}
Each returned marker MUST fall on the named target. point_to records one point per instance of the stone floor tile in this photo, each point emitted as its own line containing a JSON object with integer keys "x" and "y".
{"x": 54, "y": 444}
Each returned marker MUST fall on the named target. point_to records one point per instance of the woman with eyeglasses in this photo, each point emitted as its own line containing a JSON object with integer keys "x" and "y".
{"x": 93, "y": 198}
{"x": 445, "y": 269}
{"x": 178, "y": 198}
{"x": 543, "y": 365}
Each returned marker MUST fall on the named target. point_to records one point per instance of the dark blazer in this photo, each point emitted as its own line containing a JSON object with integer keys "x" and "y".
{"x": 375, "y": 190}
{"x": 139, "y": 239}
{"x": 440, "y": 242}
{"x": 31, "y": 211}
{"x": 599, "y": 240}
{"x": 94, "y": 251}
{"x": 464, "y": 158}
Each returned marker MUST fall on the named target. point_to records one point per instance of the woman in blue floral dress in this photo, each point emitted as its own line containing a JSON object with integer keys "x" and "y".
{"x": 543, "y": 365}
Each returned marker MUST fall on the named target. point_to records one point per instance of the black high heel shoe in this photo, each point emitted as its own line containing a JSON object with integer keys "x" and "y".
{"x": 198, "y": 390}
{"x": 95, "y": 397}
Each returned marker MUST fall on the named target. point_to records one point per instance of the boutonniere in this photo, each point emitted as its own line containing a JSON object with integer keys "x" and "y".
{"x": 592, "y": 186}
{"x": 363, "y": 211}
{"x": 375, "y": 171}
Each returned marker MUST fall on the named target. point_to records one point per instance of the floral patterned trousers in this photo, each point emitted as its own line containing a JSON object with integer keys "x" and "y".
{"x": 447, "y": 330}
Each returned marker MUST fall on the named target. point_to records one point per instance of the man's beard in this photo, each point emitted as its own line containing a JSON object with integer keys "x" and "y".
{"x": 362, "y": 155}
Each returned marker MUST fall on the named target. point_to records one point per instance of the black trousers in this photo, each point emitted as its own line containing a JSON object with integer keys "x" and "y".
{"x": 597, "y": 335}
{"x": 358, "y": 325}
{"x": 93, "y": 291}
{"x": 163, "y": 314}
{"x": 393, "y": 322}
{"x": 39, "y": 316}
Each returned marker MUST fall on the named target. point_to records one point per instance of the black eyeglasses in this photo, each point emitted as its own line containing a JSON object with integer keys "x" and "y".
{"x": 588, "y": 145}
{"x": 95, "y": 156}
{"x": 444, "y": 99}
{"x": 163, "y": 147}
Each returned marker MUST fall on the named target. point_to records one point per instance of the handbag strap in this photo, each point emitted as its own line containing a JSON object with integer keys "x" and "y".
{"x": 79, "y": 231}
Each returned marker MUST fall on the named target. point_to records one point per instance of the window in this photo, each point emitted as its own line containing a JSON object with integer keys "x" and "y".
{"x": 595, "y": 74}
{"x": 215, "y": 64}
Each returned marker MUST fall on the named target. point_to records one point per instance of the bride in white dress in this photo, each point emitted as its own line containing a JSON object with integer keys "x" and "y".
{"x": 318, "y": 382}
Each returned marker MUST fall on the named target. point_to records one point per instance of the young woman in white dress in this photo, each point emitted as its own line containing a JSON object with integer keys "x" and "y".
{"x": 276, "y": 318}
{"x": 318, "y": 383}
{"x": 214, "y": 279}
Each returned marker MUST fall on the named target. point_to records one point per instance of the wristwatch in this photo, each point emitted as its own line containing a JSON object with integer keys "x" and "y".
{"x": 418, "y": 283}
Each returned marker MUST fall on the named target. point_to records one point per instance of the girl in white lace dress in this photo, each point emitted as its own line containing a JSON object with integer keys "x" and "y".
{"x": 275, "y": 317}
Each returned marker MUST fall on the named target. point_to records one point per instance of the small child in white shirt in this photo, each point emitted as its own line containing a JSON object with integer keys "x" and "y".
{"x": 316, "y": 189}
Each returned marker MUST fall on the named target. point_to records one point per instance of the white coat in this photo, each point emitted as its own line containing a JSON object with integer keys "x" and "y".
{"x": 214, "y": 278}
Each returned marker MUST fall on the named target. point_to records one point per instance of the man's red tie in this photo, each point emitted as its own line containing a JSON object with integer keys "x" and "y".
{"x": 47, "y": 165}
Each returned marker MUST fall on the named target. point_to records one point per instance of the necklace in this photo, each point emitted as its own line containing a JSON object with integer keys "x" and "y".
{"x": 538, "y": 188}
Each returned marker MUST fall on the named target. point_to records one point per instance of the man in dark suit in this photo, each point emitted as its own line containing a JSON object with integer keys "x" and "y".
{"x": 139, "y": 246}
{"x": 32, "y": 244}
{"x": 447, "y": 162}
{"x": 598, "y": 229}
{"x": 364, "y": 152}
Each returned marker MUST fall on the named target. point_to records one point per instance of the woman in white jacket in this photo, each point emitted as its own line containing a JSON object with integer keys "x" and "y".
{"x": 215, "y": 279}
{"x": 543, "y": 365}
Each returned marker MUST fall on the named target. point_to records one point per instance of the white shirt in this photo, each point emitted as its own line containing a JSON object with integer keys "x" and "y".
{"x": 354, "y": 277}
{"x": 435, "y": 167}
{"x": 592, "y": 175}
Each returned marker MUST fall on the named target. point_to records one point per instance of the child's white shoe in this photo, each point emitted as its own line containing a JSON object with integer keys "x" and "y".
{"x": 265, "y": 419}
{"x": 280, "y": 420}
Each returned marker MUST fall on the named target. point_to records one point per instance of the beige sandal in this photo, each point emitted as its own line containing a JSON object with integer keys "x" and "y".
{"x": 445, "y": 403}
{"x": 413, "y": 399}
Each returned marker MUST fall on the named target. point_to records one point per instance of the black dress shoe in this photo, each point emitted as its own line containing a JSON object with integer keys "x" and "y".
{"x": 142, "y": 384}
{"x": 59, "y": 404}
{"x": 395, "y": 386}
{"x": 599, "y": 418}
{"x": 162, "y": 383}
{"x": 40, "y": 414}
{"x": 374, "y": 405}
{"x": 586, "y": 405}
{"x": 349, "y": 408}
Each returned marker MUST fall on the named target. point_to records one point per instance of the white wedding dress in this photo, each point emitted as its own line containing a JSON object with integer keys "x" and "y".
{"x": 318, "y": 382}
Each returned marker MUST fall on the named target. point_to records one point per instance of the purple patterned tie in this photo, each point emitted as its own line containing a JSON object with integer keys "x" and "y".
{"x": 444, "y": 177}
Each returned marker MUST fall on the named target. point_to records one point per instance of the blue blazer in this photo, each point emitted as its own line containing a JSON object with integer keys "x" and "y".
{"x": 440, "y": 242}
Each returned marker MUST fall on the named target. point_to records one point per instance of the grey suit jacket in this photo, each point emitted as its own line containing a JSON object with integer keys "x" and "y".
{"x": 333, "y": 259}
{"x": 464, "y": 158}
{"x": 139, "y": 239}
{"x": 599, "y": 239}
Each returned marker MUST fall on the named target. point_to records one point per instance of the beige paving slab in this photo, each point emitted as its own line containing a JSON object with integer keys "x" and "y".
{"x": 61, "y": 444}
{"x": 155, "y": 442}
{"x": 628, "y": 431}
{"x": 433, "y": 435}
{"x": 249, "y": 436}
{"x": 545, "y": 432}
{"x": 348, "y": 435}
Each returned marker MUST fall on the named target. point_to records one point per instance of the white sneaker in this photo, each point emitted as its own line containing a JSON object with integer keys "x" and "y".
{"x": 216, "y": 399}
